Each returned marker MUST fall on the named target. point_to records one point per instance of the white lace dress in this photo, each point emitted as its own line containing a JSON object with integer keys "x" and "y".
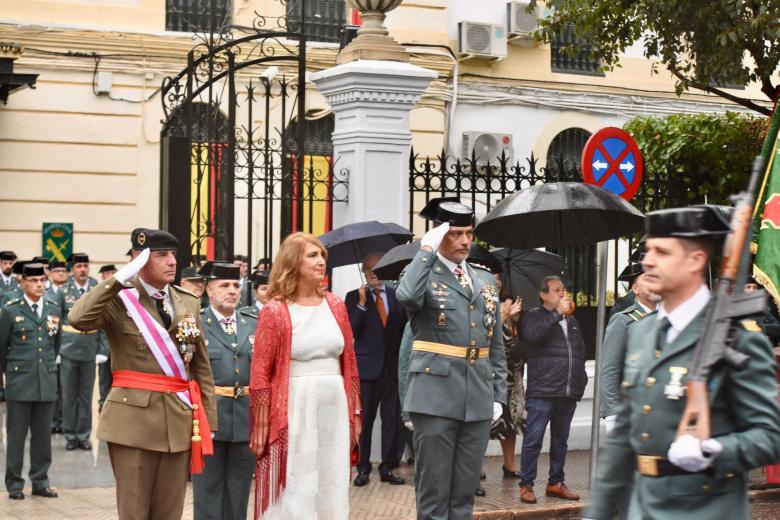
{"x": 318, "y": 450}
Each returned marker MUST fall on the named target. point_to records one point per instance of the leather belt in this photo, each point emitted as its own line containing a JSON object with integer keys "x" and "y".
{"x": 654, "y": 466}
{"x": 68, "y": 328}
{"x": 470, "y": 353}
{"x": 232, "y": 391}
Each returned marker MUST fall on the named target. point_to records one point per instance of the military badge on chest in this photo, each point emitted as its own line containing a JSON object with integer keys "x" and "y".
{"x": 53, "y": 324}
{"x": 674, "y": 389}
{"x": 187, "y": 334}
{"x": 490, "y": 296}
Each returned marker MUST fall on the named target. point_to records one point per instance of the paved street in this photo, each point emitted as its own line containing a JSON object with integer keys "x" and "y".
{"x": 85, "y": 484}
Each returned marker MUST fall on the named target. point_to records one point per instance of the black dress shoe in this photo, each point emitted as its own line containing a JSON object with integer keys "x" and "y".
{"x": 392, "y": 478}
{"x": 85, "y": 445}
{"x": 71, "y": 445}
{"x": 482, "y": 476}
{"x": 480, "y": 491}
{"x": 361, "y": 479}
{"x": 16, "y": 495}
{"x": 510, "y": 474}
{"x": 45, "y": 492}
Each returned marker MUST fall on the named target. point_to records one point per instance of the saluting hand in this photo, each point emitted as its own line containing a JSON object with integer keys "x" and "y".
{"x": 432, "y": 239}
{"x": 133, "y": 267}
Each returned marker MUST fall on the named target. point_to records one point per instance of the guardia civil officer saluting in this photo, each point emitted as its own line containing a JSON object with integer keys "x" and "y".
{"x": 683, "y": 477}
{"x": 457, "y": 368}
{"x": 29, "y": 342}
{"x": 221, "y": 492}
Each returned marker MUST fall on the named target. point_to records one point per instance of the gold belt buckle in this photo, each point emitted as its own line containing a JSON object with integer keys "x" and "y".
{"x": 238, "y": 392}
{"x": 648, "y": 465}
{"x": 472, "y": 353}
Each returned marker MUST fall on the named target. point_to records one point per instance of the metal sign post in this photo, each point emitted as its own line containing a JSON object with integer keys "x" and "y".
{"x": 601, "y": 312}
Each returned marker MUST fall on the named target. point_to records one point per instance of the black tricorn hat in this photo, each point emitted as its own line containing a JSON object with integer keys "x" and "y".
{"x": 259, "y": 278}
{"x": 107, "y": 267}
{"x": 154, "y": 239}
{"x": 79, "y": 258}
{"x": 191, "y": 273}
{"x": 56, "y": 264}
{"x": 455, "y": 214}
{"x": 18, "y": 267}
{"x": 33, "y": 269}
{"x": 40, "y": 260}
{"x": 7, "y": 255}
{"x": 630, "y": 273}
{"x": 219, "y": 270}
{"x": 431, "y": 209}
{"x": 693, "y": 222}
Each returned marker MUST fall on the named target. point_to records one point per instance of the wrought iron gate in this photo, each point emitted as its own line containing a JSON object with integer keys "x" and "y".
{"x": 235, "y": 130}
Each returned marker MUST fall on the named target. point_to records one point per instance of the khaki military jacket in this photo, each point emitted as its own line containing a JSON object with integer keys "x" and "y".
{"x": 745, "y": 419}
{"x": 141, "y": 418}
{"x": 442, "y": 311}
{"x": 28, "y": 349}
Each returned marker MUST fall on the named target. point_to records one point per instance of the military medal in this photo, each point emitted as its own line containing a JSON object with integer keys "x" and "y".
{"x": 187, "y": 334}
{"x": 53, "y": 323}
{"x": 489, "y": 295}
{"x": 442, "y": 319}
{"x": 674, "y": 389}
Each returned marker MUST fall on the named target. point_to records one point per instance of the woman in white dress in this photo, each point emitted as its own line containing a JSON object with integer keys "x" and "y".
{"x": 304, "y": 391}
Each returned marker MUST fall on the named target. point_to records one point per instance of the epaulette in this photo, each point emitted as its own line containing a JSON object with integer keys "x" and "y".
{"x": 203, "y": 310}
{"x": 636, "y": 313}
{"x": 479, "y": 266}
{"x": 247, "y": 311}
{"x": 750, "y": 325}
{"x": 185, "y": 291}
{"x": 11, "y": 302}
{"x": 51, "y": 301}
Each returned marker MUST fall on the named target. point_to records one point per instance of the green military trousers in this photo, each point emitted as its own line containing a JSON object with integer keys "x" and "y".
{"x": 78, "y": 384}
{"x": 35, "y": 417}
{"x": 221, "y": 492}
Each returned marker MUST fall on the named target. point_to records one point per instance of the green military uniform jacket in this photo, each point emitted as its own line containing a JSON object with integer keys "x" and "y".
{"x": 75, "y": 345}
{"x": 745, "y": 419}
{"x": 252, "y": 310}
{"x": 230, "y": 364}
{"x": 442, "y": 311}
{"x": 613, "y": 353}
{"x": 28, "y": 350}
{"x": 144, "y": 419}
{"x": 11, "y": 292}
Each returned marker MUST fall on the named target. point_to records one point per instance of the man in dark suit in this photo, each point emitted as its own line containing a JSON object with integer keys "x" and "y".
{"x": 378, "y": 322}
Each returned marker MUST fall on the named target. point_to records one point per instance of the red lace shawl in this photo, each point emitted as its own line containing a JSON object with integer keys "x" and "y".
{"x": 269, "y": 386}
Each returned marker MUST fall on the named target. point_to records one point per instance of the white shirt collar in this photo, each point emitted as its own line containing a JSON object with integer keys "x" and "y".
{"x": 258, "y": 305}
{"x": 151, "y": 290}
{"x": 7, "y": 279}
{"x": 85, "y": 286}
{"x": 39, "y": 303}
{"x": 644, "y": 307}
{"x": 452, "y": 265}
{"x": 220, "y": 317}
{"x": 684, "y": 314}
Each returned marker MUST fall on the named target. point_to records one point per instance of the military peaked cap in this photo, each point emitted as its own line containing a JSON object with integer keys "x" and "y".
{"x": 630, "y": 273}
{"x": 107, "y": 267}
{"x": 33, "y": 269}
{"x": 693, "y": 222}
{"x": 7, "y": 255}
{"x": 154, "y": 239}
{"x": 259, "y": 278}
{"x": 79, "y": 258}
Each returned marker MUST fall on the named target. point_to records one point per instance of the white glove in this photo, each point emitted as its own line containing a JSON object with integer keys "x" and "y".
{"x": 58, "y": 360}
{"x": 100, "y": 359}
{"x": 497, "y": 411}
{"x": 409, "y": 426}
{"x": 434, "y": 236}
{"x": 609, "y": 423}
{"x": 133, "y": 267}
{"x": 213, "y": 434}
{"x": 691, "y": 455}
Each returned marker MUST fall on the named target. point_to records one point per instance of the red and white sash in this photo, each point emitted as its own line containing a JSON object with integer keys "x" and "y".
{"x": 158, "y": 340}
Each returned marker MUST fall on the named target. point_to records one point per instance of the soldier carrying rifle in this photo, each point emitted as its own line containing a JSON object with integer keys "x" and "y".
{"x": 700, "y": 396}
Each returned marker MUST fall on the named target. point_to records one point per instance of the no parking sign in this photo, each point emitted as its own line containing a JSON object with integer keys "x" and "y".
{"x": 611, "y": 159}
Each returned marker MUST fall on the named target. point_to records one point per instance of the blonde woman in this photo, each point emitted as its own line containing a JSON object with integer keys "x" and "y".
{"x": 305, "y": 393}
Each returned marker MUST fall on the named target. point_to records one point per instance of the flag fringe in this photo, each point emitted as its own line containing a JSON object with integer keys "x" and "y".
{"x": 766, "y": 282}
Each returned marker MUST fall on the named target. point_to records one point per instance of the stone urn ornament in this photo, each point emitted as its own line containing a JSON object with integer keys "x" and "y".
{"x": 373, "y": 42}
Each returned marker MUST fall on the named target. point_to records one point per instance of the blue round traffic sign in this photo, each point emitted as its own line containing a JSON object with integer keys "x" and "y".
{"x": 611, "y": 159}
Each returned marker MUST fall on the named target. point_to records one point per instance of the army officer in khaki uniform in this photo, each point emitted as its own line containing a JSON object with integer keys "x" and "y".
{"x": 29, "y": 343}
{"x": 150, "y": 431}
{"x": 222, "y": 491}
{"x": 684, "y": 477}
{"x": 457, "y": 368}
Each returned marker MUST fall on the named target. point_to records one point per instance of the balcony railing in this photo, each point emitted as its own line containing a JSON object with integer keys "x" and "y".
{"x": 324, "y": 19}
{"x": 198, "y": 15}
{"x": 580, "y": 64}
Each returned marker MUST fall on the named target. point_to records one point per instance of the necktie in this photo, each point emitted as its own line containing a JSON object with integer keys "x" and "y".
{"x": 380, "y": 307}
{"x": 35, "y": 308}
{"x": 159, "y": 302}
{"x": 81, "y": 291}
{"x": 663, "y": 330}
{"x": 229, "y": 330}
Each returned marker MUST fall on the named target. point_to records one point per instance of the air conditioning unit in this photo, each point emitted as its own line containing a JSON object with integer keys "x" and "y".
{"x": 519, "y": 22}
{"x": 487, "y": 147}
{"x": 482, "y": 40}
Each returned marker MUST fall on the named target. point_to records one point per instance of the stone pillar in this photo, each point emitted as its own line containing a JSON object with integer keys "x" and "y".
{"x": 372, "y": 100}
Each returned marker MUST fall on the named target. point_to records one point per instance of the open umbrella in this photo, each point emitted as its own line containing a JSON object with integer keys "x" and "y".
{"x": 351, "y": 243}
{"x": 524, "y": 270}
{"x": 557, "y": 214}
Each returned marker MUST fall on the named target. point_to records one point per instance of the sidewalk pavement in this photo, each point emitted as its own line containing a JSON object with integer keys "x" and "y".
{"x": 86, "y": 491}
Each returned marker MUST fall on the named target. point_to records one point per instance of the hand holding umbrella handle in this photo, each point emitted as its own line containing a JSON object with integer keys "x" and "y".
{"x": 432, "y": 239}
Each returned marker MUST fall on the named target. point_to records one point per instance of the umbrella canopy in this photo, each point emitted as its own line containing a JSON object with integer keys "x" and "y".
{"x": 393, "y": 262}
{"x": 351, "y": 243}
{"x": 524, "y": 271}
{"x": 559, "y": 214}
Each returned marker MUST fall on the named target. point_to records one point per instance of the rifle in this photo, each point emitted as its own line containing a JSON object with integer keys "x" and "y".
{"x": 728, "y": 303}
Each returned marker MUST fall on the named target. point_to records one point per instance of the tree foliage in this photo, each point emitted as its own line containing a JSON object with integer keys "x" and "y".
{"x": 702, "y": 43}
{"x": 698, "y": 157}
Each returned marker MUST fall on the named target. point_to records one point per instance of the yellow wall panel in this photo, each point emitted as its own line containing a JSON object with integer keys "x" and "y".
{"x": 67, "y": 187}
{"x": 67, "y": 157}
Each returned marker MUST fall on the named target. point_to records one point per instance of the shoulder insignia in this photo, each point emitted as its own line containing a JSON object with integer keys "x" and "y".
{"x": 636, "y": 314}
{"x": 750, "y": 325}
{"x": 184, "y": 291}
{"x": 203, "y": 310}
{"x": 479, "y": 266}
{"x": 247, "y": 311}
{"x": 11, "y": 302}
{"x": 49, "y": 300}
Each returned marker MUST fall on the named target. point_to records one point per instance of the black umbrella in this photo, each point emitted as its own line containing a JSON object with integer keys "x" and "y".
{"x": 351, "y": 243}
{"x": 524, "y": 270}
{"x": 559, "y": 214}
{"x": 393, "y": 262}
